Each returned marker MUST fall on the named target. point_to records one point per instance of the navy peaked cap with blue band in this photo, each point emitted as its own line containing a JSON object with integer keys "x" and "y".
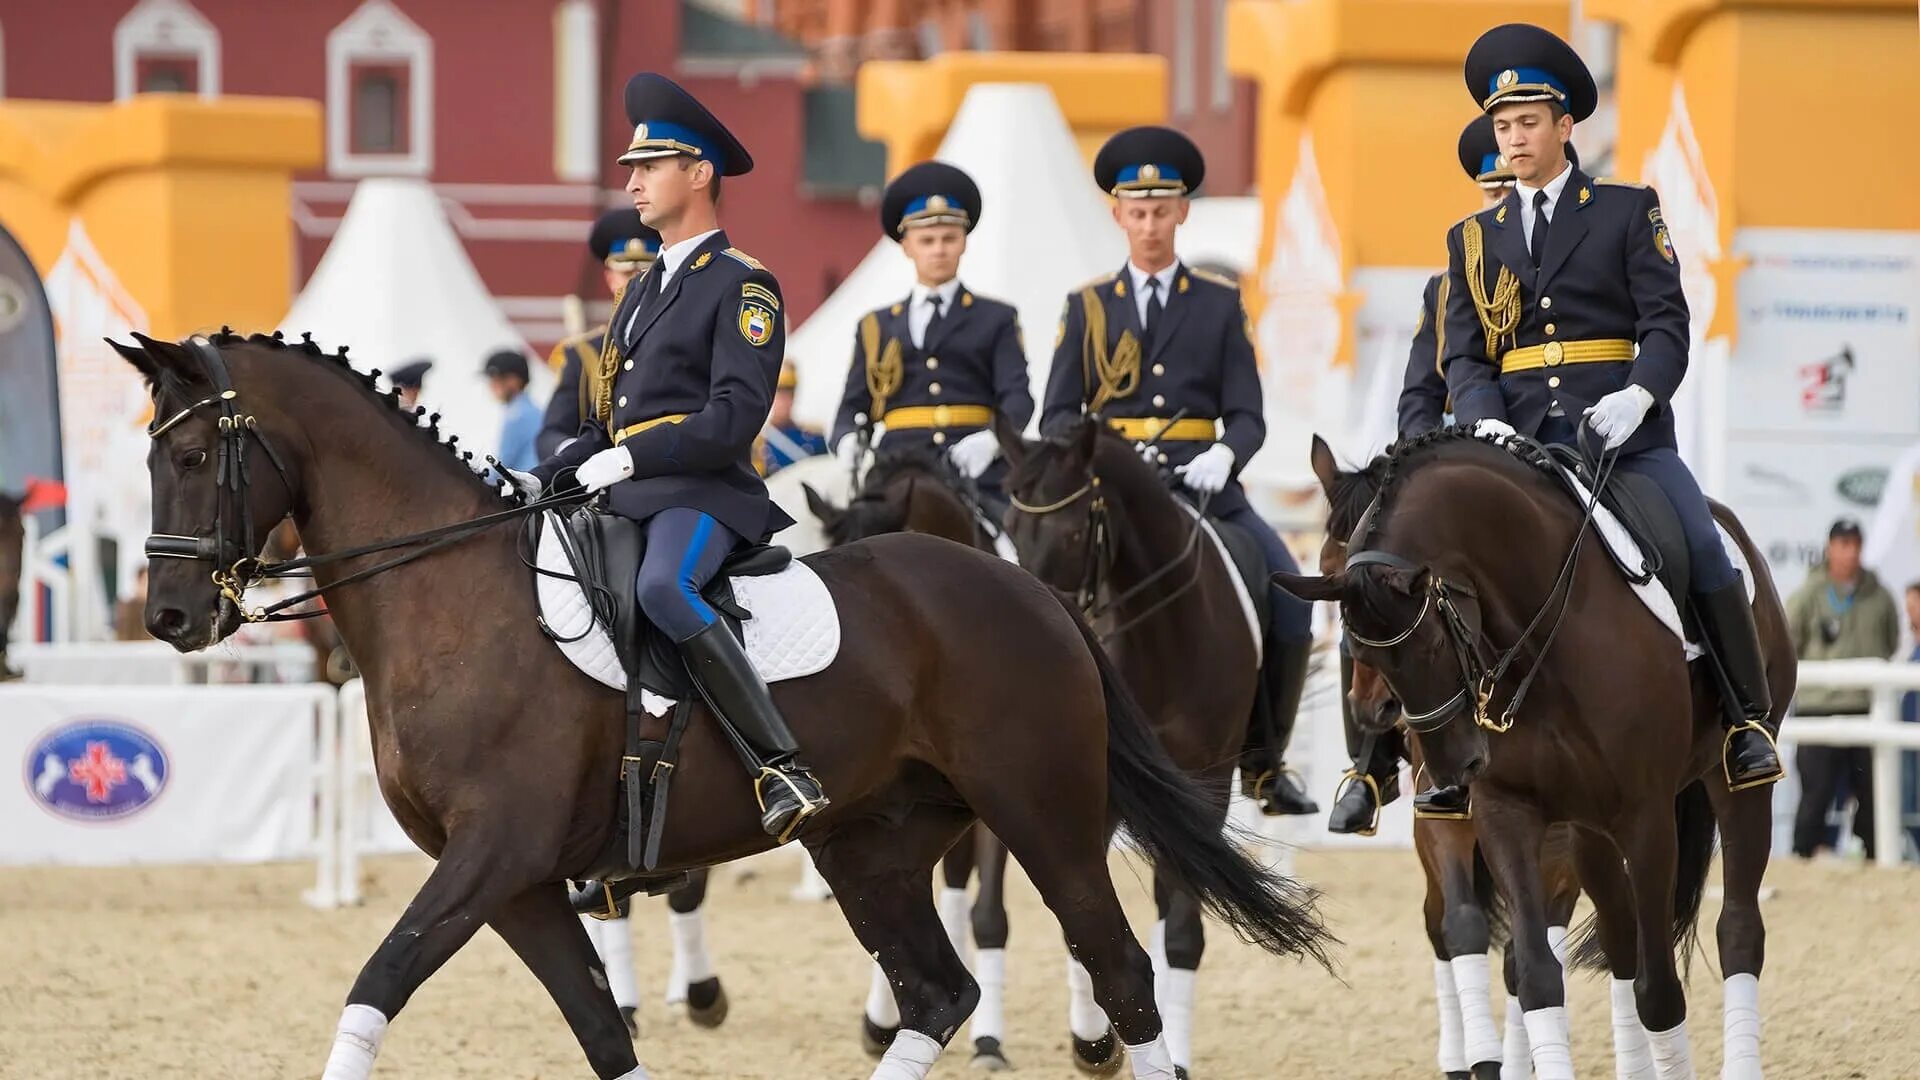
{"x": 668, "y": 121}
{"x": 622, "y": 241}
{"x": 930, "y": 193}
{"x": 1143, "y": 162}
{"x": 1522, "y": 62}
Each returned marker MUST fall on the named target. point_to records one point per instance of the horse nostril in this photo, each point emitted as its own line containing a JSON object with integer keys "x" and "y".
{"x": 166, "y": 623}
{"x": 1474, "y": 768}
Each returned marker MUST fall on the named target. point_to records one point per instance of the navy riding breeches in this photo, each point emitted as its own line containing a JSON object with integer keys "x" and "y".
{"x": 684, "y": 550}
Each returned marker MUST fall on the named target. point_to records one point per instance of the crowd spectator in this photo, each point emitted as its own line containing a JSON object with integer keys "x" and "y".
{"x": 1841, "y": 612}
{"x": 507, "y": 375}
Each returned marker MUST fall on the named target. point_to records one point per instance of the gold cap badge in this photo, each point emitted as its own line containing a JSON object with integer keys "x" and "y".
{"x": 1509, "y": 77}
{"x": 1149, "y": 172}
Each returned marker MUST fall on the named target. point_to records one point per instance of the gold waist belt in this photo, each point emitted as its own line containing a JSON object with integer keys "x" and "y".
{"x": 631, "y": 430}
{"x": 909, "y": 417}
{"x": 1555, "y": 353}
{"x": 1191, "y": 429}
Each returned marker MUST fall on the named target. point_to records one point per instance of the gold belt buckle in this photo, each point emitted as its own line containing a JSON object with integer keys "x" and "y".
{"x": 942, "y": 416}
{"x": 1555, "y": 354}
{"x": 1155, "y": 427}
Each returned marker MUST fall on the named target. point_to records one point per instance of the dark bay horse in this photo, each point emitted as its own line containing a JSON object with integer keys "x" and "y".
{"x": 501, "y": 760}
{"x": 916, "y": 490}
{"x": 13, "y": 536}
{"x": 1090, "y": 517}
{"x": 1466, "y": 544}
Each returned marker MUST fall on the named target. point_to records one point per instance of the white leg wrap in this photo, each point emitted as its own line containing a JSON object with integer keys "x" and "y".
{"x": 882, "y": 1009}
{"x": 989, "y": 1017}
{"x": 1157, "y": 952}
{"x": 954, "y": 916}
{"x": 911, "y": 1057}
{"x": 1085, "y": 1017}
{"x": 1472, "y": 981}
{"x": 1742, "y": 1031}
{"x": 1151, "y": 1061}
{"x": 1547, "y": 1038}
{"x": 1672, "y": 1056}
{"x": 614, "y": 941}
{"x": 1516, "y": 1058}
{"x": 1557, "y": 944}
{"x": 691, "y": 964}
{"x": 356, "y": 1042}
{"x": 1452, "y": 1056}
{"x": 639, "y": 1073}
{"x": 1632, "y": 1057}
{"x": 1176, "y": 1016}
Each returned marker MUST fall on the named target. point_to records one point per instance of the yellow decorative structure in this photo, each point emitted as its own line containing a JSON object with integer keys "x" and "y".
{"x": 187, "y": 200}
{"x": 907, "y": 105}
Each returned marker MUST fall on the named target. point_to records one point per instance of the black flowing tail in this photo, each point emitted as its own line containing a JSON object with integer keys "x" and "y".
{"x": 1695, "y": 830}
{"x": 1173, "y": 822}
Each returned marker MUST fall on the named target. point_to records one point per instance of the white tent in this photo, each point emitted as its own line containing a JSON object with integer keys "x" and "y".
{"x": 396, "y": 284}
{"x": 1044, "y": 229}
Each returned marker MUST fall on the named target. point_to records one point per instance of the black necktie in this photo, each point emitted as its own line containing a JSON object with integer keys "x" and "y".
{"x": 1540, "y": 226}
{"x": 927, "y": 334}
{"x": 1154, "y": 308}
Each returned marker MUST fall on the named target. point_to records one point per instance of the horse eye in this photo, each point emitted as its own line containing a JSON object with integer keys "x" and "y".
{"x": 193, "y": 459}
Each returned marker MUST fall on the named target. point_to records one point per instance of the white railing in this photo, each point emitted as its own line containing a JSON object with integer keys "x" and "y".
{"x": 1880, "y": 730}
{"x": 155, "y": 663}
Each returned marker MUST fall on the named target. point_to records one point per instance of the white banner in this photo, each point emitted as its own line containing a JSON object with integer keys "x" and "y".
{"x": 160, "y": 774}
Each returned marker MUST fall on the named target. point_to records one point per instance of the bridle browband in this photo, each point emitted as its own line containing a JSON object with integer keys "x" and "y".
{"x": 235, "y": 568}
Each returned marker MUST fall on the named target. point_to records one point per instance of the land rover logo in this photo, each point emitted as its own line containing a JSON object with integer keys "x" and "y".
{"x": 1862, "y": 487}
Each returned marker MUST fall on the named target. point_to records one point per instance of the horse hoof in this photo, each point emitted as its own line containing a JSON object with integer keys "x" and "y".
{"x": 707, "y": 1003}
{"x": 1459, "y": 1076}
{"x": 875, "y": 1039}
{"x": 988, "y": 1056}
{"x": 631, "y": 1016}
{"x": 1485, "y": 1070}
{"x": 1180, "y": 1073}
{"x": 1101, "y": 1057}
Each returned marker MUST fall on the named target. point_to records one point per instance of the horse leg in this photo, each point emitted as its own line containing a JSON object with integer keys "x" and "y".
{"x": 1451, "y": 1054}
{"x": 1604, "y": 878}
{"x": 466, "y": 885}
{"x": 880, "y": 869}
{"x": 612, "y": 941}
{"x": 1510, "y": 832}
{"x": 1652, "y": 852}
{"x": 540, "y": 927}
{"x": 692, "y": 979}
{"x": 1746, "y": 835}
{"x": 1515, "y": 1055}
{"x": 956, "y": 866}
{"x": 1466, "y": 937}
{"x": 990, "y": 955}
{"x": 1185, "y": 943}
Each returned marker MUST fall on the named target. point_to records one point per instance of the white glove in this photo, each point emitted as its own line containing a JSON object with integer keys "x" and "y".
{"x": 1210, "y": 471}
{"x": 528, "y": 484}
{"x": 604, "y": 469}
{"x": 1618, "y": 415}
{"x": 1492, "y": 428}
{"x": 973, "y": 454}
{"x": 847, "y": 450}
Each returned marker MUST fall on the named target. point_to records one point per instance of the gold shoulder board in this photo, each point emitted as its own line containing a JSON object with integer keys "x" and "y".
{"x": 744, "y": 259}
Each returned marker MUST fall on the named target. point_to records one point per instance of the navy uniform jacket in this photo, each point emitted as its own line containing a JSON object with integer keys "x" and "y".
{"x": 1608, "y": 272}
{"x": 1423, "y": 395}
{"x": 562, "y": 419}
{"x": 710, "y": 348}
{"x": 974, "y": 356}
{"x": 1202, "y": 361}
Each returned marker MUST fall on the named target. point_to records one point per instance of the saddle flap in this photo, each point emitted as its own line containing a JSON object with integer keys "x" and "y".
{"x": 1246, "y": 563}
{"x": 757, "y": 560}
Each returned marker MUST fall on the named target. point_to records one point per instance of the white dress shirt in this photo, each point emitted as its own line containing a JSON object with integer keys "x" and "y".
{"x": 1140, "y": 296}
{"x": 920, "y": 307}
{"x": 671, "y": 256}
{"x": 1553, "y": 189}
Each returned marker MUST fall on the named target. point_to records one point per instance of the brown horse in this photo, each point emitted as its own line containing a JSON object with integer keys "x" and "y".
{"x": 1620, "y": 736}
{"x": 13, "y": 535}
{"x": 1091, "y": 517}
{"x": 917, "y": 490}
{"x": 502, "y": 761}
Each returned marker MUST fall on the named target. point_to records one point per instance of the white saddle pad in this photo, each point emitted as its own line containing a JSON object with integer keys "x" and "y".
{"x": 1240, "y": 588}
{"x": 1651, "y": 593}
{"x": 794, "y": 631}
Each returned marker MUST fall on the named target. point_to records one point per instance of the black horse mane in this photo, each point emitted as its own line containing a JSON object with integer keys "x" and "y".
{"x": 1379, "y": 479}
{"x": 890, "y": 462}
{"x": 489, "y": 475}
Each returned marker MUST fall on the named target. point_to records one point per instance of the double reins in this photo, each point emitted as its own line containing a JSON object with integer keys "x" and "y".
{"x": 235, "y": 570}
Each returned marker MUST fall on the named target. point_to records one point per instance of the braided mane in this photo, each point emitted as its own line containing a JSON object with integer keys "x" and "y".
{"x": 1381, "y": 477}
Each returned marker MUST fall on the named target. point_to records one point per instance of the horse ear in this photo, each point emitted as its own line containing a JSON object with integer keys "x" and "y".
{"x": 1313, "y": 586}
{"x": 828, "y": 513}
{"x": 1324, "y": 465}
{"x": 170, "y": 357}
{"x": 145, "y": 364}
{"x": 1086, "y": 440}
{"x": 1013, "y": 445}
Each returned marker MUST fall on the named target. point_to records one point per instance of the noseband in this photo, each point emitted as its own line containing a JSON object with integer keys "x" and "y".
{"x": 1476, "y": 680}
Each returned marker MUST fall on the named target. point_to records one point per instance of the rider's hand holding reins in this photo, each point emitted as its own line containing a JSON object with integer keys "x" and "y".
{"x": 604, "y": 469}
{"x": 1209, "y": 472}
{"x": 1618, "y": 415}
{"x": 526, "y": 483}
{"x": 974, "y": 454}
{"x": 847, "y": 450}
{"x": 1491, "y": 428}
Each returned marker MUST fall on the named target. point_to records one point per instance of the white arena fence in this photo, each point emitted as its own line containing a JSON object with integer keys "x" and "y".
{"x": 179, "y": 772}
{"x": 148, "y": 663}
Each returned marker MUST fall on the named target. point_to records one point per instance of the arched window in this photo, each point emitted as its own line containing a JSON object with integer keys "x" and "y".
{"x": 165, "y": 47}
{"x": 379, "y": 94}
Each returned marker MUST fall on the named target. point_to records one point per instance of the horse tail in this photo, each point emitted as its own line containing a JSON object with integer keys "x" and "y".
{"x": 1179, "y": 828}
{"x": 1694, "y": 828}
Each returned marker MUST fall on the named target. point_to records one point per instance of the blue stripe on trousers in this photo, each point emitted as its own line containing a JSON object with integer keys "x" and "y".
{"x": 684, "y": 549}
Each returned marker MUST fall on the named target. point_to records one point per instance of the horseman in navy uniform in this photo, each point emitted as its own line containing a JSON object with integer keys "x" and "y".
{"x": 1565, "y": 312}
{"x": 624, "y": 247}
{"x": 1189, "y": 338}
{"x": 935, "y": 367}
{"x": 679, "y": 395}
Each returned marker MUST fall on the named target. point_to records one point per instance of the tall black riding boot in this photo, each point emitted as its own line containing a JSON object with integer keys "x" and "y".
{"x": 787, "y": 791}
{"x": 1272, "y": 784}
{"x": 1733, "y": 643}
{"x": 1373, "y": 782}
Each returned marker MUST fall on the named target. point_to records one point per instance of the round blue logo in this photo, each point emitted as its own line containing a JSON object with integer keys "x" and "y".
{"x": 96, "y": 770}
